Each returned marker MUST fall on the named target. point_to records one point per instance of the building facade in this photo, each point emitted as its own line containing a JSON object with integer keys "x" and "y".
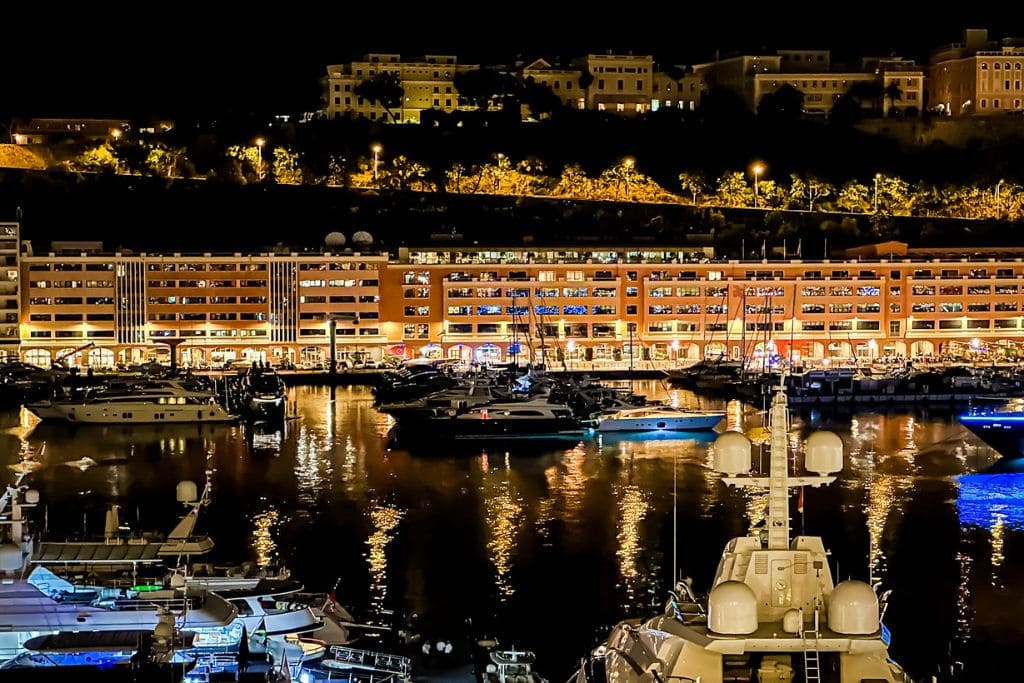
{"x": 621, "y": 83}
{"x": 580, "y": 304}
{"x": 813, "y": 74}
{"x": 10, "y": 297}
{"x": 428, "y": 83}
{"x": 563, "y": 81}
{"x": 119, "y": 309}
{"x": 978, "y": 77}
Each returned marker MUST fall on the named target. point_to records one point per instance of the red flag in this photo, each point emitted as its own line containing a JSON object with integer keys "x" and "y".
{"x": 800, "y": 501}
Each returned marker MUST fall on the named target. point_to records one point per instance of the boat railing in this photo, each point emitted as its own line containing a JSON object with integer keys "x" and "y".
{"x": 396, "y": 665}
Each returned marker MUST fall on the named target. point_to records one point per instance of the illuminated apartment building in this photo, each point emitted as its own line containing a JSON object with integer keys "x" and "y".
{"x": 428, "y": 83}
{"x": 979, "y": 76}
{"x": 106, "y": 309}
{"x": 583, "y": 304}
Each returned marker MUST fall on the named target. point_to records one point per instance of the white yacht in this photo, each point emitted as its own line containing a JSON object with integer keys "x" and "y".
{"x": 773, "y": 613}
{"x": 159, "y": 402}
{"x": 659, "y": 419}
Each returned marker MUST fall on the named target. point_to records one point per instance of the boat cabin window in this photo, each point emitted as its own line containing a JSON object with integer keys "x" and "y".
{"x": 244, "y": 609}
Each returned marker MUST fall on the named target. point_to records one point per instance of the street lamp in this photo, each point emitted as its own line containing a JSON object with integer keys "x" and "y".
{"x": 998, "y": 185}
{"x": 259, "y": 153}
{"x": 758, "y": 169}
{"x": 376, "y": 149}
{"x": 877, "y": 176}
{"x": 116, "y": 134}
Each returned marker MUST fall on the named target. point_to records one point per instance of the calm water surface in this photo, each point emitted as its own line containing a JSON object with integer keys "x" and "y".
{"x": 548, "y": 545}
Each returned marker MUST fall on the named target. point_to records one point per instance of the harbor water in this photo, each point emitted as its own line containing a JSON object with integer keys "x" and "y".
{"x": 546, "y": 544}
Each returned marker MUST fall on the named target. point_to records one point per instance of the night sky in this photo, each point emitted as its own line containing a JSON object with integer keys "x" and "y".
{"x": 176, "y": 59}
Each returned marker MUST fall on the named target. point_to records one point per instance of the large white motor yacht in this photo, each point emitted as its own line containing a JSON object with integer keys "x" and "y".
{"x": 773, "y": 613}
{"x": 659, "y": 419}
{"x": 166, "y": 401}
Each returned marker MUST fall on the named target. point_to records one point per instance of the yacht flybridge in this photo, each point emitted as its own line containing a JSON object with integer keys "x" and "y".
{"x": 773, "y": 614}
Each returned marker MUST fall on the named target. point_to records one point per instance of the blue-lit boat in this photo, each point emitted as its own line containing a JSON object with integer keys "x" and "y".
{"x": 1002, "y": 430}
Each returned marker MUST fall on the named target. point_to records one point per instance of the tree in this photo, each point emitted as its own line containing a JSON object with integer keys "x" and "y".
{"x": 574, "y": 183}
{"x": 867, "y": 92}
{"x": 247, "y": 166}
{"x": 168, "y": 162}
{"x": 893, "y": 92}
{"x": 384, "y": 89}
{"x": 339, "y": 171}
{"x": 810, "y": 190}
{"x": 403, "y": 174}
{"x": 455, "y": 175}
{"x": 894, "y": 197}
{"x": 484, "y": 88}
{"x": 585, "y": 80}
{"x": 287, "y": 166}
{"x": 694, "y": 183}
{"x": 784, "y": 105}
{"x": 98, "y": 159}
{"x": 771, "y": 195}
{"x": 733, "y": 189}
{"x": 131, "y": 157}
{"x": 539, "y": 98}
{"x": 853, "y": 197}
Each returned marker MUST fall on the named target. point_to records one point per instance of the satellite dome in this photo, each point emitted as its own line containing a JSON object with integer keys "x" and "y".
{"x": 732, "y": 609}
{"x": 186, "y": 492}
{"x": 853, "y": 609}
{"x": 792, "y": 622}
{"x": 362, "y": 238}
{"x": 335, "y": 240}
{"x": 823, "y": 453}
{"x": 732, "y": 453}
{"x": 163, "y": 631}
{"x": 32, "y": 497}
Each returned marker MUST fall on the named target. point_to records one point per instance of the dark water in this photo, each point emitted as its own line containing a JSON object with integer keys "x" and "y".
{"x": 546, "y": 545}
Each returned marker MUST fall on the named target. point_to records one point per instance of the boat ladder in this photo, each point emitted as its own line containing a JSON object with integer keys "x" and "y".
{"x": 812, "y": 656}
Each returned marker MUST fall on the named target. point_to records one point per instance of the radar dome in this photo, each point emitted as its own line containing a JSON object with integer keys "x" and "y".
{"x": 335, "y": 240}
{"x": 823, "y": 453}
{"x": 732, "y": 453}
{"x": 177, "y": 580}
{"x": 10, "y": 558}
{"x": 186, "y": 492}
{"x": 732, "y": 609}
{"x": 792, "y": 622}
{"x": 32, "y": 497}
{"x": 853, "y": 609}
{"x": 362, "y": 239}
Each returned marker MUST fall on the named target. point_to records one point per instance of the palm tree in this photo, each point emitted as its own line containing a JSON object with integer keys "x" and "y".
{"x": 893, "y": 92}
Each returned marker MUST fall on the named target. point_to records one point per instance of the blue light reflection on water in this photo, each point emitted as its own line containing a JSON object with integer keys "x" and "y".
{"x": 985, "y": 500}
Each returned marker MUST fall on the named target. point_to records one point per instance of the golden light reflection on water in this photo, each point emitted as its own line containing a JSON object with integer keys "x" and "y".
{"x": 566, "y": 483}
{"x": 504, "y": 515}
{"x": 313, "y": 468}
{"x": 997, "y": 537}
{"x": 263, "y": 537}
{"x": 384, "y": 519}
{"x": 633, "y": 508}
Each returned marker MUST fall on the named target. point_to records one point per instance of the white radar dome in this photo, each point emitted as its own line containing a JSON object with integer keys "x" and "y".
{"x": 823, "y": 453}
{"x": 10, "y": 557}
{"x": 732, "y": 609}
{"x": 362, "y": 238}
{"x": 163, "y": 631}
{"x": 792, "y": 622}
{"x": 853, "y": 609}
{"x": 32, "y": 497}
{"x": 732, "y": 453}
{"x": 186, "y": 492}
{"x": 335, "y": 240}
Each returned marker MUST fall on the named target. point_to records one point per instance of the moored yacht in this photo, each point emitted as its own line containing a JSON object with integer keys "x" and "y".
{"x": 773, "y": 613}
{"x": 158, "y": 402}
{"x": 263, "y": 393}
{"x": 509, "y": 419}
{"x": 659, "y": 419}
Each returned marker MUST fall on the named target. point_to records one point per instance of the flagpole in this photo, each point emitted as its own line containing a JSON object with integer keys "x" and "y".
{"x": 675, "y": 523}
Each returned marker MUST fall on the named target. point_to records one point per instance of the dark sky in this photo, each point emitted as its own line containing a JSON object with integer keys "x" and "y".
{"x": 173, "y": 58}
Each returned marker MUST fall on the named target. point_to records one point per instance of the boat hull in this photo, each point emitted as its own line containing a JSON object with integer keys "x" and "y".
{"x": 84, "y": 413}
{"x": 689, "y": 423}
{"x": 1004, "y": 433}
{"x": 498, "y": 428}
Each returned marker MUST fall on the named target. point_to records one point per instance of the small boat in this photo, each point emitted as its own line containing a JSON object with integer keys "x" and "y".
{"x": 1002, "y": 430}
{"x": 263, "y": 393}
{"x": 659, "y": 418}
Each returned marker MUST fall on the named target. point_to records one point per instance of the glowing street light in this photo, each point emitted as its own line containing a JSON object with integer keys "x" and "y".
{"x": 758, "y": 169}
{"x": 376, "y": 149}
{"x": 259, "y": 153}
{"x": 877, "y": 177}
